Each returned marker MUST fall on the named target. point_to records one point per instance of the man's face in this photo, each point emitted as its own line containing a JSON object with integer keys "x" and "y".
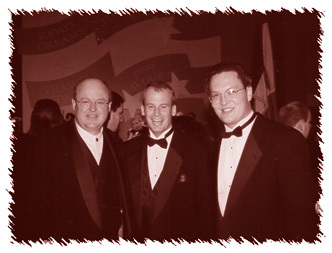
{"x": 158, "y": 110}
{"x": 115, "y": 119}
{"x": 230, "y": 110}
{"x": 91, "y": 105}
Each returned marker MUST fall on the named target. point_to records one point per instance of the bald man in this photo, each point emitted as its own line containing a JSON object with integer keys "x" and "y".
{"x": 79, "y": 186}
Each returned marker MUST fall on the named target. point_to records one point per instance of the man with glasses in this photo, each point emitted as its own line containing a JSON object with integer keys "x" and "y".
{"x": 262, "y": 181}
{"x": 81, "y": 196}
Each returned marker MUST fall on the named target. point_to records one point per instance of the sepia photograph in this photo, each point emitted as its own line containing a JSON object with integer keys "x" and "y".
{"x": 135, "y": 126}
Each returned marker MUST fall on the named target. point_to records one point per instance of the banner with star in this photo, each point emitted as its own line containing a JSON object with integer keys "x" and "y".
{"x": 71, "y": 29}
{"x": 127, "y": 52}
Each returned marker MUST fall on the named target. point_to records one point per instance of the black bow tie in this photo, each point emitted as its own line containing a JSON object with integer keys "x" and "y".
{"x": 238, "y": 131}
{"x": 161, "y": 142}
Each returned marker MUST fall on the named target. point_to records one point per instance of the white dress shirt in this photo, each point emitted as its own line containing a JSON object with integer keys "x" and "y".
{"x": 157, "y": 157}
{"x": 94, "y": 142}
{"x": 229, "y": 157}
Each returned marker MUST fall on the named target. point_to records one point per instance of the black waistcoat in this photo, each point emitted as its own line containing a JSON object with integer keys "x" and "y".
{"x": 148, "y": 200}
{"x": 106, "y": 182}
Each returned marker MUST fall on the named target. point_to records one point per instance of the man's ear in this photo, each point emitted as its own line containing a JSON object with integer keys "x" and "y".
{"x": 109, "y": 106}
{"x": 173, "y": 110}
{"x": 249, "y": 93}
{"x": 142, "y": 110}
{"x": 73, "y": 104}
{"x": 300, "y": 125}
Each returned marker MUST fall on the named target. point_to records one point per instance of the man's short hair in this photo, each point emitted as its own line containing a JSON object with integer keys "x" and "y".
{"x": 291, "y": 113}
{"x": 117, "y": 101}
{"x": 227, "y": 67}
{"x": 159, "y": 86}
{"x": 109, "y": 91}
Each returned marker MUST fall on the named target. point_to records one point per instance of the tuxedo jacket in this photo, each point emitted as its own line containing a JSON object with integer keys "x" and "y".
{"x": 65, "y": 203}
{"x": 272, "y": 195}
{"x": 182, "y": 204}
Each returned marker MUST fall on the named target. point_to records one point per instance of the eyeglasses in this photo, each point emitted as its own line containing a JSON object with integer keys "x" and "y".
{"x": 229, "y": 94}
{"x": 85, "y": 103}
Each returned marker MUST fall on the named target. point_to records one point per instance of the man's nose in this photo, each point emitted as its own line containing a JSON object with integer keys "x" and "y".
{"x": 92, "y": 106}
{"x": 223, "y": 99}
{"x": 156, "y": 112}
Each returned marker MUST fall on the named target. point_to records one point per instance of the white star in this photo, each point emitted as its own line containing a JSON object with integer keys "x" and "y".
{"x": 179, "y": 87}
{"x": 132, "y": 103}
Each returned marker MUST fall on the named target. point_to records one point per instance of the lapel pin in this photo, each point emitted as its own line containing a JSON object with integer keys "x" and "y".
{"x": 183, "y": 178}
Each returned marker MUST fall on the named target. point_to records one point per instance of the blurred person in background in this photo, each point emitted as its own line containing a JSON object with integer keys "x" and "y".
{"x": 298, "y": 115}
{"x": 116, "y": 114}
{"x": 45, "y": 115}
{"x": 138, "y": 127}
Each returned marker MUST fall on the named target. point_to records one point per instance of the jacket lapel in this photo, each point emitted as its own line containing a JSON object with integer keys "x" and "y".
{"x": 213, "y": 167}
{"x": 169, "y": 174}
{"x": 135, "y": 175}
{"x": 247, "y": 164}
{"x": 85, "y": 180}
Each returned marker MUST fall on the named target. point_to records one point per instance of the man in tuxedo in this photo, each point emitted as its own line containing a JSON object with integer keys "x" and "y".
{"x": 262, "y": 182}
{"x": 167, "y": 174}
{"x": 80, "y": 190}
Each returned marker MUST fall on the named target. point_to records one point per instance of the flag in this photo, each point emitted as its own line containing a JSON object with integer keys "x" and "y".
{"x": 265, "y": 93}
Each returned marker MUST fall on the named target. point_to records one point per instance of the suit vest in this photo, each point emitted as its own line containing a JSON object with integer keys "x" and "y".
{"x": 149, "y": 196}
{"x": 106, "y": 183}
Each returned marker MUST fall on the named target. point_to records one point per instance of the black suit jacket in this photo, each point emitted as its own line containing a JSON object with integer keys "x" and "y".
{"x": 183, "y": 200}
{"x": 64, "y": 198}
{"x": 272, "y": 195}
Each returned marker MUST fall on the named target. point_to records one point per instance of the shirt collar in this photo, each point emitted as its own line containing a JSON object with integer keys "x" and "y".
{"x": 240, "y": 123}
{"x": 86, "y": 135}
{"x": 160, "y": 136}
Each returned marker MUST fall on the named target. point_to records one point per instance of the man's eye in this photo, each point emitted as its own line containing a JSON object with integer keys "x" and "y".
{"x": 85, "y": 102}
{"x": 100, "y": 103}
{"x": 231, "y": 91}
{"x": 215, "y": 95}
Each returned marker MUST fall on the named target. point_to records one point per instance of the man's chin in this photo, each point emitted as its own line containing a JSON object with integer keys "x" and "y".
{"x": 93, "y": 127}
{"x": 156, "y": 131}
